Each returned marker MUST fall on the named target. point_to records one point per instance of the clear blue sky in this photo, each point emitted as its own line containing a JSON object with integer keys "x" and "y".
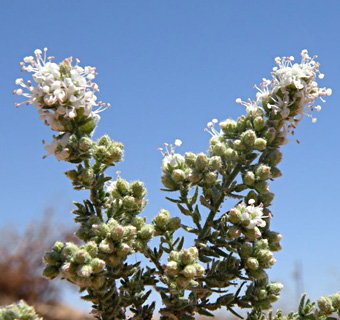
{"x": 167, "y": 68}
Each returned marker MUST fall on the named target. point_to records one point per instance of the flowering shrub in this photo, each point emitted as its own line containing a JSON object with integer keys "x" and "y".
{"x": 226, "y": 265}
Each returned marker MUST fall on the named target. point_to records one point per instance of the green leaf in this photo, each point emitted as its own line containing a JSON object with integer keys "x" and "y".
{"x": 205, "y": 312}
{"x": 180, "y": 245}
{"x": 174, "y": 200}
{"x": 183, "y": 210}
{"x": 193, "y": 200}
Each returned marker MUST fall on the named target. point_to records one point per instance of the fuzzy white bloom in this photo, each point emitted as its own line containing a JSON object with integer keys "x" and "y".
{"x": 65, "y": 89}
{"x": 172, "y": 159}
{"x": 254, "y": 215}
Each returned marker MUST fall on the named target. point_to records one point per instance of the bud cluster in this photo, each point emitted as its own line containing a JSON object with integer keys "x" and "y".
{"x": 127, "y": 198}
{"x": 182, "y": 269}
{"x": 329, "y": 305}
{"x": 18, "y": 311}
{"x": 262, "y": 294}
{"x": 256, "y": 258}
{"x": 164, "y": 223}
{"x": 78, "y": 265}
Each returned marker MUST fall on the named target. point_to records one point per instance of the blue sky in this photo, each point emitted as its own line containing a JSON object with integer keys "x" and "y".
{"x": 167, "y": 68}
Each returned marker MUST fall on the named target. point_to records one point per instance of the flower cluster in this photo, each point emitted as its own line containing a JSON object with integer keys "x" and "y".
{"x": 182, "y": 269}
{"x": 65, "y": 96}
{"x": 164, "y": 223}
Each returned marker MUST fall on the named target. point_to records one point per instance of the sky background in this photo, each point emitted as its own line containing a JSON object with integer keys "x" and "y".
{"x": 167, "y": 68}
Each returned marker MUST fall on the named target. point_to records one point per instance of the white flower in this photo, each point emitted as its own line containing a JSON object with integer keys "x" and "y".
{"x": 254, "y": 215}
{"x": 173, "y": 159}
{"x": 58, "y": 147}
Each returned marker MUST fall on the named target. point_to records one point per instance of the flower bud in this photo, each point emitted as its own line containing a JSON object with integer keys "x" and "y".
{"x": 50, "y": 272}
{"x": 241, "y": 123}
{"x": 122, "y": 186}
{"x": 123, "y": 250}
{"x": 172, "y": 268}
{"x": 200, "y": 270}
{"x": 69, "y": 249}
{"x": 104, "y": 141}
{"x": 335, "y": 298}
{"x": 175, "y": 256}
{"x": 138, "y": 190}
{"x": 115, "y": 154}
{"x": 202, "y": 162}
{"x": 248, "y": 138}
{"x": 189, "y": 271}
{"x": 84, "y": 271}
{"x": 147, "y": 231}
{"x": 260, "y": 144}
{"x": 239, "y": 145}
{"x": 188, "y": 256}
{"x": 105, "y": 246}
{"x": 274, "y": 158}
{"x": 234, "y": 232}
{"x": 138, "y": 222}
{"x": 325, "y": 305}
{"x": 190, "y": 159}
{"x": 246, "y": 250}
{"x": 270, "y": 134}
{"x": 89, "y": 126}
{"x": 259, "y": 123}
{"x": 118, "y": 233}
{"x": 219, "y": 149}
{"x": 162, "y": 219}
{"x": 274, "y": 288}
{"x": 261, "y": 187}
{"x": 215, "y": 163}
{"x": 168, "y": 183}
{"x": 261, "y": 244}
{"x": 264, "y": 256}
{"x": 85, "y": 144}
{"x": 234, "y": 216}
{"x": 178, "y": 175}
{"x": 249, "y": 178}
{"x": 252, "y": 263}
{"x": 58, "y": 247}
{"x": 228, "y": 127}
{"x": 97, "y": 265}
{"x": 129, "y": 232}
{"x": 230, "y": 155}
{"x": 173, "y": 224}
{"x": 262, "y": 172}
{"x": 251, "y": 195}
{"x": 91, "y": 248}
{"x": 210, "y": 177}
{"x": 81, "y": 257}
{"x": 129, "y": 203}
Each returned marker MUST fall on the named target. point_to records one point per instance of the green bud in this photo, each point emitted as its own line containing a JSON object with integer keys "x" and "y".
{"x": 129, "y": 232}
{"x": 325, "y": 305}
{"x": 175, "y": 256}
{"x": 85, "y": 144}
{"x": 195, "y": 177}
{"x": 138, "y": 190}
{"x": 189, "y": 271}
{"x": 210, "y": 177}
{"x": 58, "y": 247}
{"x": 168, "y": 182}
{"x": 261, "y": 294}
{"x": 264, "y": 256}
{"x": 52, "y": 258}
{"x": 270, "y": 135}
{"x": 162, "y": 219}
{"x": 234, "y": 231}
{"x": 173, "y": 224}
{"x": 246, "y": 250}
{"x": 118, "y": 233}
{"x": 215, "y": 163}
{"x": 248, "y": 138}
{"x": 259, "y": 123}
{"x": 146, "y": 233}
{"x": 172, "y": 268}
{"x": 262, "y": 172}
{"x": 97, "y": 265}
{"x": 122, "y": 186}
{"x": 335, "y": 298}
{"x": 258, "y": 274}
{"x": 276, "y": 173}
{"x": 115, "y": 154}
{"x": 230, "y": 155}
{"x": 81, "y": 257}
{"x": 86, "y": 175}
{"x": 178, "y": 175}
{"x": 70, "y": 249}
{"x": 261, "y": 244}
{"x": 89, "y": 126}
{"x": 234, "y": 216}
{"x": 129, "y": 203}
{"x": 104, "y": 141}
{"x": 241, "y": 123}
{"x": 123, "y": 250}
{"x": 249, "y": 178}
{"x": 188, "y": 256}
{"x": 229, "y": 127}
{"x": 275, "y": 288}
{"x": 202, "y": 162}
{"x": 274, "y": 158}
{"x": 239, "y": 145}
{"x": 261, "y": 187}
{"x": 260, "y": 144}
{"x": 138, "y": 222}
{"x": 273, "y": 298}
{"x": 190, "y": 159}
{"x": 84, "y": 271}
{"x": 50, "y": 272}
{"x": 219, "y": 149}
{"x": 252, "y": 263}
{"x": 105, "y": 246}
